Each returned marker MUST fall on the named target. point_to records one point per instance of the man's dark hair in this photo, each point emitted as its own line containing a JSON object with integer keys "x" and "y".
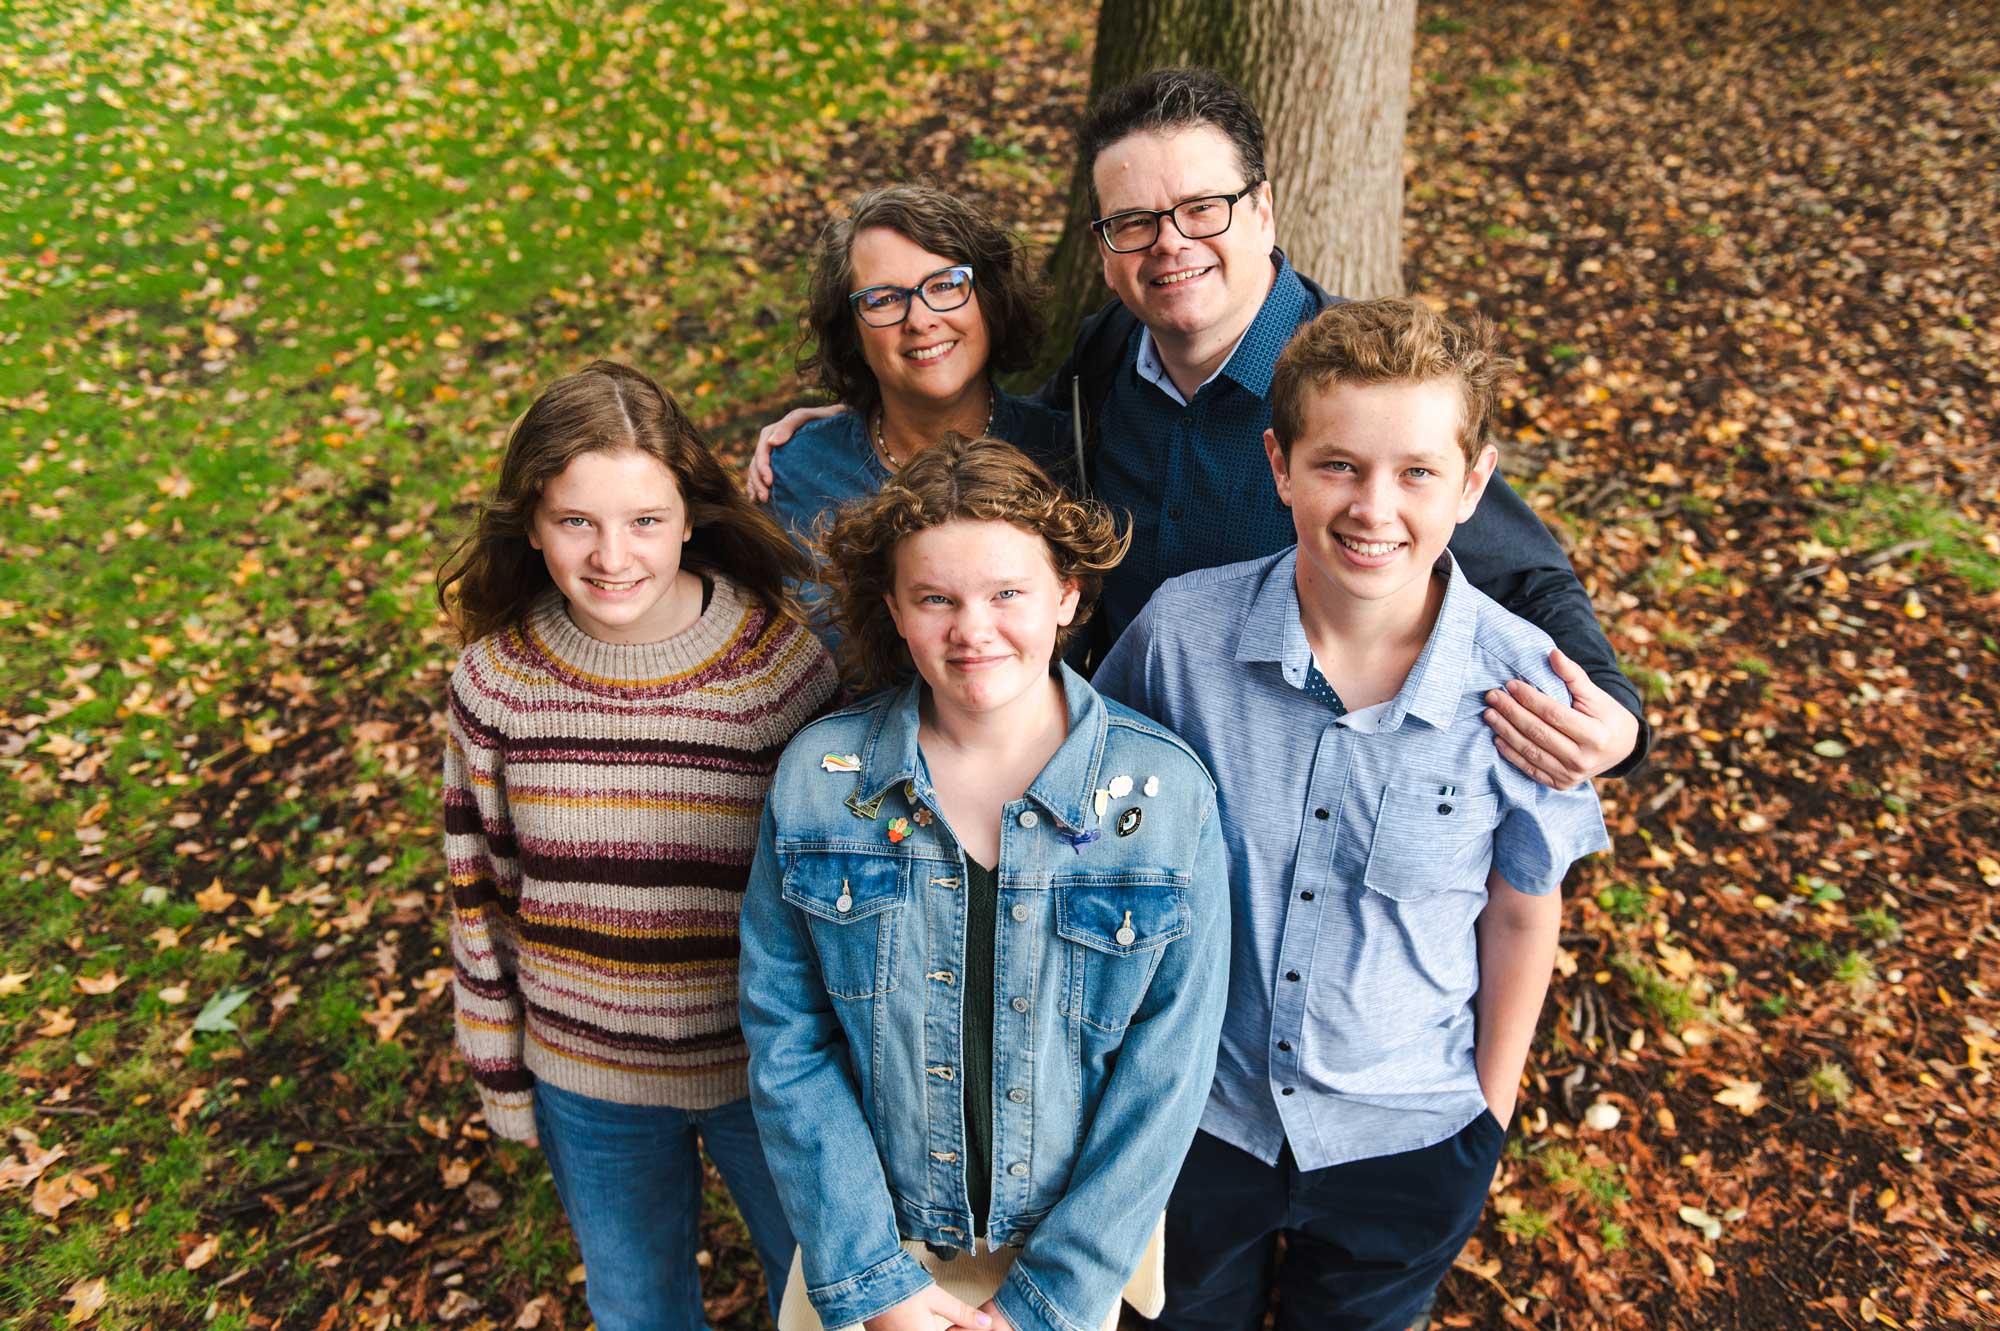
{"x": 1168, "y": 100}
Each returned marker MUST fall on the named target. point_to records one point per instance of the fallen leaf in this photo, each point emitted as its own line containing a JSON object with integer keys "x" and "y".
{"x": 14, "y": 982}
{"x": 204, "y": 1253}
{"x": 262, "y": 906}
{"x": 1745, "y": 1097}
{"x": 164, "y": 937}
{"x": 59, "y": 1022}
{"x": 99, "y": 984}
{"x": 53, "y": 1192}
{"x": 84, "y": 1298}
{"x": 457, "y": 1171}
{"x": 1710, "y": 1227}
{"x": 19, "y": 1174}
{"x": 215, "y": 898}
{"x": 530, "y": 1315}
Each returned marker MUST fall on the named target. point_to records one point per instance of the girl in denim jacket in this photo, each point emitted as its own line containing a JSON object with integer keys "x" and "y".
{"x": 985, "y": 942}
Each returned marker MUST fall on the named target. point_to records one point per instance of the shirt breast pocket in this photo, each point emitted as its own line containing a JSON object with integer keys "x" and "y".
{"x": 853, "y": 904}
{"x": 1116, "y": 929}
{"x": 1426, "y": 843}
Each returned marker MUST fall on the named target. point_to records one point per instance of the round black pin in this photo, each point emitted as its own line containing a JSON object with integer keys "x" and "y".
{"x": 1128, "y": 821}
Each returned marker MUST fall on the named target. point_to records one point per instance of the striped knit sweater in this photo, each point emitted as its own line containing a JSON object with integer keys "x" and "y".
{"x": 600, "y": 810}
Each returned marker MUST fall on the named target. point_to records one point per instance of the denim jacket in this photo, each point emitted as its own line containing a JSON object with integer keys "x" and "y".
{"x": 1110, "y": 969}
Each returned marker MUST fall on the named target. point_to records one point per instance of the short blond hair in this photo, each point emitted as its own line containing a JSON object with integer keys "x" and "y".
{"x": 1397, "y": 339}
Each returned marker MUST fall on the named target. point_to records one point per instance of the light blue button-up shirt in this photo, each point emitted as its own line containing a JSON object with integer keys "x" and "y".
{"x": 1359, "y": 846}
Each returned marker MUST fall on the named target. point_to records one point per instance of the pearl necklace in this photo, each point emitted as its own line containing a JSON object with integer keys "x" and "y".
{"x": 895, "y": 464}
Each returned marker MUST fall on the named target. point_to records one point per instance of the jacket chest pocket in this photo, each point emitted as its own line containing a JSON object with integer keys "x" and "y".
{"x": 853, "y": 905}
{"x": 1116, "y": 931}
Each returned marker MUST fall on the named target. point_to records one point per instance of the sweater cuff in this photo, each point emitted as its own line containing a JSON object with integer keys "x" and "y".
{"x": 510, "y": 1115}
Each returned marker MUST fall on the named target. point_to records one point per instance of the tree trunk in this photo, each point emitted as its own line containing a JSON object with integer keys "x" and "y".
{"x": 1331, "y": 79}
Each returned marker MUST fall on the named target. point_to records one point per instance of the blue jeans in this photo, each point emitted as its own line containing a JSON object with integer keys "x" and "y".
{"x": 630, "y": 1180}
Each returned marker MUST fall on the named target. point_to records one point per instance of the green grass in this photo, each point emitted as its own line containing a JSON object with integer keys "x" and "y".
{"x": 1875, "y": 517}
{"x": 1830, "y": 1082}
{"x": 1668, "y": 1003}
{"x": 273, "y": 282}
{"x": 1603, "y": 1187}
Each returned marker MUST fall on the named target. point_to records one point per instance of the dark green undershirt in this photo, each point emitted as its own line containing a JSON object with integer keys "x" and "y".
{"x": 982, "y": 906}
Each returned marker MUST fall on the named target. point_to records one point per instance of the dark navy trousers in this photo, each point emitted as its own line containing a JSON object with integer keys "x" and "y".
{"x": 1366, "y": 1243}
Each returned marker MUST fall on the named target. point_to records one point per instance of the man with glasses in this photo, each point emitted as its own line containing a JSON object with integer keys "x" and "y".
{"x": 1168, "y": 386}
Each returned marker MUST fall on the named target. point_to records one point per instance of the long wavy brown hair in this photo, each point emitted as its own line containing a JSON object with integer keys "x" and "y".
{"x": 984, "y": 480}
{"x": 495, "y": 574}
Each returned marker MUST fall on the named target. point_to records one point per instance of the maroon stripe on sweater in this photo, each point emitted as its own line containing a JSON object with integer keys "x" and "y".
{"x": 634, "y": 1042}
{"x": 585, "y": 915}
{"x": 644, "y": 753}
{"x": 656, "y": 952}
{"x": 590, "y": 998}
{"x": 636, "y": 868}
{"x": 503, "y": 1079}
{"x": 481, "y": 893}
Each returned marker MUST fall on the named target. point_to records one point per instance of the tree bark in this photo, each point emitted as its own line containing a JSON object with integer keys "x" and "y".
{"x": 1331, "y": 79}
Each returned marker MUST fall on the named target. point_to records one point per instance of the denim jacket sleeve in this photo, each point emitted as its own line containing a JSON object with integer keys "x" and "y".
{"x": 816, "y": 1139}
{"x": 1080, "y": 1256}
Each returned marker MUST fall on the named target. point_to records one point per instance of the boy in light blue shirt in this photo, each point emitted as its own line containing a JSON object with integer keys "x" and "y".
{"x": 1394, "y": 880}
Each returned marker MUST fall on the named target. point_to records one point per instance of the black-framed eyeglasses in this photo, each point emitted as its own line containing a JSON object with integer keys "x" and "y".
{"x": 888, "y": 305}
{"x": 1197, "y": 219}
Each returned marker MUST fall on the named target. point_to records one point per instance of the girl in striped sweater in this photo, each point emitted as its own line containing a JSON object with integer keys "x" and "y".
{"x": 634, "y": 672}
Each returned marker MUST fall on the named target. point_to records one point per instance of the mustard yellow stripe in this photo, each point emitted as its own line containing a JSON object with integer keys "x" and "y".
{"x": 664, "y": 987}
{"x": 577, "y": 955}
{"x": 481, "y": 1024}
{"x": 620, "y": 930}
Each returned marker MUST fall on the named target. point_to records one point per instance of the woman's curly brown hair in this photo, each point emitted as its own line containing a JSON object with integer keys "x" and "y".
{"x": 982, "y": 480}
{"x": 1003, "y": 281}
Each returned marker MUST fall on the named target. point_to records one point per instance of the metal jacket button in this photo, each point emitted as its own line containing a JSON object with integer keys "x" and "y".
{"x": 1018, "y": 1096}
{"x": 1019, "y": 1005}
{"x": 844, "y": 905}
{"x": 1018, "y": 1170}
{"x": 1028, "y": 818}
{"x": 1020, "y": 914}
{"x": 1125, "y": 936}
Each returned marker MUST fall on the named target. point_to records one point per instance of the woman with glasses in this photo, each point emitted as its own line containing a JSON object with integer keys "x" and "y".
{"x": 916, "y": 300}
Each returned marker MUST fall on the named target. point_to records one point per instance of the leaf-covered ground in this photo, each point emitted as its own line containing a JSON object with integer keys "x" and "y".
{"x": 273, "y": 283}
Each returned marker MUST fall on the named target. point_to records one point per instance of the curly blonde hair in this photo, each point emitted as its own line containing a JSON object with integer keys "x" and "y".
{"x": 982, "y": 480}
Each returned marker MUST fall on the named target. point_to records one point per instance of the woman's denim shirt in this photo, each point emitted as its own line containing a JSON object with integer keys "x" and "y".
{"x": 1111, "y": 964}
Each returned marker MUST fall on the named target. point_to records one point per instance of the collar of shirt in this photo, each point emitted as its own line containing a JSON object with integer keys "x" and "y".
{"x": 1063, "y": 788}
{"x": 1277, "y": 317}
{"x": 1273, "y": 631}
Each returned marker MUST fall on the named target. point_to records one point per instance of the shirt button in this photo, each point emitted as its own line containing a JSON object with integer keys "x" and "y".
{"x": 1018, "y": 1170}
{"x": 1174, "y": 513}
{"x": 1018, "y": 1096}
{"x": 1019, "y": 1005}
{"x": 1020, "y": 914}
{"x": 1306, "y": 895}
{"x": 1444, "y": 808}
{"x": 1291, "y": 975}
{"x": 1284, "y": 1046}
{"x": 1287, "y": 1090}
{"x": 1321, "y": 814}
{"x": 1028, "y": 818}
